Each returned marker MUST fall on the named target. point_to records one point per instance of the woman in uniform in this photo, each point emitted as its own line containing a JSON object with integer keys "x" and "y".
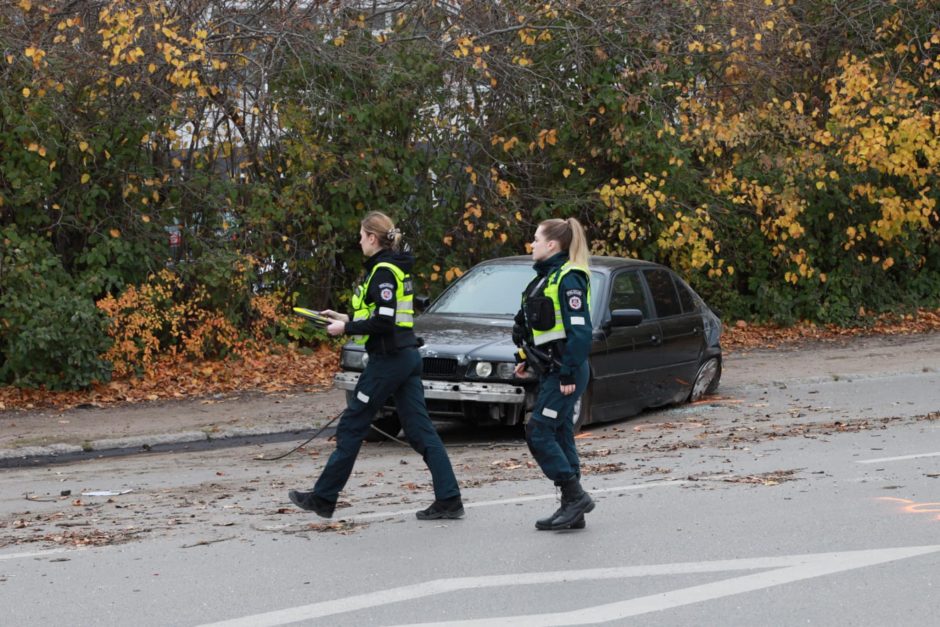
{"x": 554, "y": 328}
{"x": 383, "y": 318}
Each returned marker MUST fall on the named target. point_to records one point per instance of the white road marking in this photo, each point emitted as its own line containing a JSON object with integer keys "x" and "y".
{"x": 16, "y": 556}
{"x": 523, "y": 499}
{"x": 786, "y": 569}
{"x": 896, "y": 459}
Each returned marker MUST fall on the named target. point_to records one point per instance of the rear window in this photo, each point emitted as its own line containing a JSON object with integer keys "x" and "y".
{"x": 664, "y": 293}
{"x": 685, "y": 297}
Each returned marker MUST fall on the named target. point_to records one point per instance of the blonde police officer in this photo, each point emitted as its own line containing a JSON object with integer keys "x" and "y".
{"x": 383, "y": 318}
{"x": 555, "y": 319}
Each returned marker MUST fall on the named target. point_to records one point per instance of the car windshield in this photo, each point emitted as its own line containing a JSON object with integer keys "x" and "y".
{"x": 493, "y": 290}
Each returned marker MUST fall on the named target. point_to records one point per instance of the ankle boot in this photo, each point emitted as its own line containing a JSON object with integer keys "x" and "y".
{"x": 451, "y": 509}
{"x": 545, "y": 524}
{"x": 575, "y": 503}
{"x": 310, "y": 502}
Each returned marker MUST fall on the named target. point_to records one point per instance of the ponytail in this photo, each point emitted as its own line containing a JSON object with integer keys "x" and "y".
{"x": 578, "y": 250}
{"x": 570, "y": 235}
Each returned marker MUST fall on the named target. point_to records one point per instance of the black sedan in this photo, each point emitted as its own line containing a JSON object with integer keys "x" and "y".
{"x": 656, "y": 342}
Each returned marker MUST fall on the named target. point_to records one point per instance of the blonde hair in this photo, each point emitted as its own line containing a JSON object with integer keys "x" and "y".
{"x": 570, "y": 236}
{"x": 380, "y": 225}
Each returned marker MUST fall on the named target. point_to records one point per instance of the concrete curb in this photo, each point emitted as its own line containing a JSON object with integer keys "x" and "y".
{"x": 138, "y": 443}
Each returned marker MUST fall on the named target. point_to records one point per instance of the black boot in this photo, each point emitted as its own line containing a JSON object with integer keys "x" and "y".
{"x": 545, "y": 524}
{"x": 312, "y": 503}
{"x": 575, "y": 503}
{"x": 451, "y": 509}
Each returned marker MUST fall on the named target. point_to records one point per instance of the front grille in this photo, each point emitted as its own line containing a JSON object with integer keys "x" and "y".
{"x": 439, "y": 367}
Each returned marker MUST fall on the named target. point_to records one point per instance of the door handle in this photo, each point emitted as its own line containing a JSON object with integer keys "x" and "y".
{"x": 655, "y": 340}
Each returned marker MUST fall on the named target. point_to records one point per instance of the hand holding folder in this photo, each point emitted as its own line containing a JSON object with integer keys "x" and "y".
{"x": 312, "y": 316}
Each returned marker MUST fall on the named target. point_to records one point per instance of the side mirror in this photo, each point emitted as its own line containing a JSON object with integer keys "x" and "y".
{"x": 422, "y": 302}
{"x": 625, "y": 317}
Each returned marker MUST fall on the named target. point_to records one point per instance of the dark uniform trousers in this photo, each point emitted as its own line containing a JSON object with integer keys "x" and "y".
{"x": 551, "y": 437}
{"x": 397, "y": 375}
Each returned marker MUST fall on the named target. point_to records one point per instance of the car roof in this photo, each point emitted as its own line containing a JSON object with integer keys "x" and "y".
{"x": 597, "y": 262}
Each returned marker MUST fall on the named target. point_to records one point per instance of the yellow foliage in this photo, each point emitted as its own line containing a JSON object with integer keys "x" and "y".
{"x": 879, "y": 145}
{"x": 504, "y": 188}
{"x": 687, "y": 237}
{"x": 884, "y": 126}
{"x": 547, "y": 137}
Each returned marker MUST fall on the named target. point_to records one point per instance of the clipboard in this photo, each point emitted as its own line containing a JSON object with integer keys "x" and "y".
{"x": 312, "y": 316}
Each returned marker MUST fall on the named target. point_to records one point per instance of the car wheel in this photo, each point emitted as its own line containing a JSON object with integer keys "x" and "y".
{"x": 706, "y": 381}
{"x": 389, "y": 424}
{"x": 582, "y": 411}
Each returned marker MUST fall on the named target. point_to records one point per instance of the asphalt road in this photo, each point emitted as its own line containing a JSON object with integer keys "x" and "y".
{"x": 807, "y": 492}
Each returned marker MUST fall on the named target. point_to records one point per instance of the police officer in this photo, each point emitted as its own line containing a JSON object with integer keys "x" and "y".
{"x": 554, "y": 329}
{"x": 383, "y": 318}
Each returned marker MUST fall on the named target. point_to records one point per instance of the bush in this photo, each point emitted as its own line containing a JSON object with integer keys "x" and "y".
{"x": 170, "y": 316}
{"x": 52, "y": 333}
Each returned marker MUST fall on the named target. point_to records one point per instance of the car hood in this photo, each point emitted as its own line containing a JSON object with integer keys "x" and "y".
{"x": 465, "y": 337}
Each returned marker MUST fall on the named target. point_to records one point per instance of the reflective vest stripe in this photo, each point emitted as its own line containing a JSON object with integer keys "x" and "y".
{"x": 544, "y": 337}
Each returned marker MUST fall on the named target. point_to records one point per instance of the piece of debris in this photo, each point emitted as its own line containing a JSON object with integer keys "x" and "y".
{"x": 206, "y": 542}
{"x": 105, "y": 493}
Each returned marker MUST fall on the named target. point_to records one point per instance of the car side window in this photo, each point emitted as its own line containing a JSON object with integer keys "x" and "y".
{"x": 627, "y": 293}
{"x": 664, "y": 293}
{"x": 685, "y": 297}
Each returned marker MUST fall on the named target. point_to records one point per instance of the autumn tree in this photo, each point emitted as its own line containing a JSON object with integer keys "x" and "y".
{"x": 781, "y": 154}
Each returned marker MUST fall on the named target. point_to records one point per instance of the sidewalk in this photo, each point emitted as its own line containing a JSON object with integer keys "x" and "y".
{"x": 39, "y": 434}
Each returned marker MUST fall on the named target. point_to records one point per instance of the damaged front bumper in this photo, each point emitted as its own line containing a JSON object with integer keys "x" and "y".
{"x": 478, "y": 392}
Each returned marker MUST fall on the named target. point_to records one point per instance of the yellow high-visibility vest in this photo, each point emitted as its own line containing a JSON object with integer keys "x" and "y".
{"x": 404, "y": 297}
{"x": 557, "y": 330}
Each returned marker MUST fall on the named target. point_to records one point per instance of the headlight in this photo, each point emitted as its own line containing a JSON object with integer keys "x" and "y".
{"x": 483, "y": 369}
{"x": 506, "y": 370}
{"x": 354, "y": 360}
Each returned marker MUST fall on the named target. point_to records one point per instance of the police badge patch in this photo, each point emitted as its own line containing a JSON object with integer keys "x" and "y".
{"x": 386, "y": 291}
{"x": 575, "y": 300}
